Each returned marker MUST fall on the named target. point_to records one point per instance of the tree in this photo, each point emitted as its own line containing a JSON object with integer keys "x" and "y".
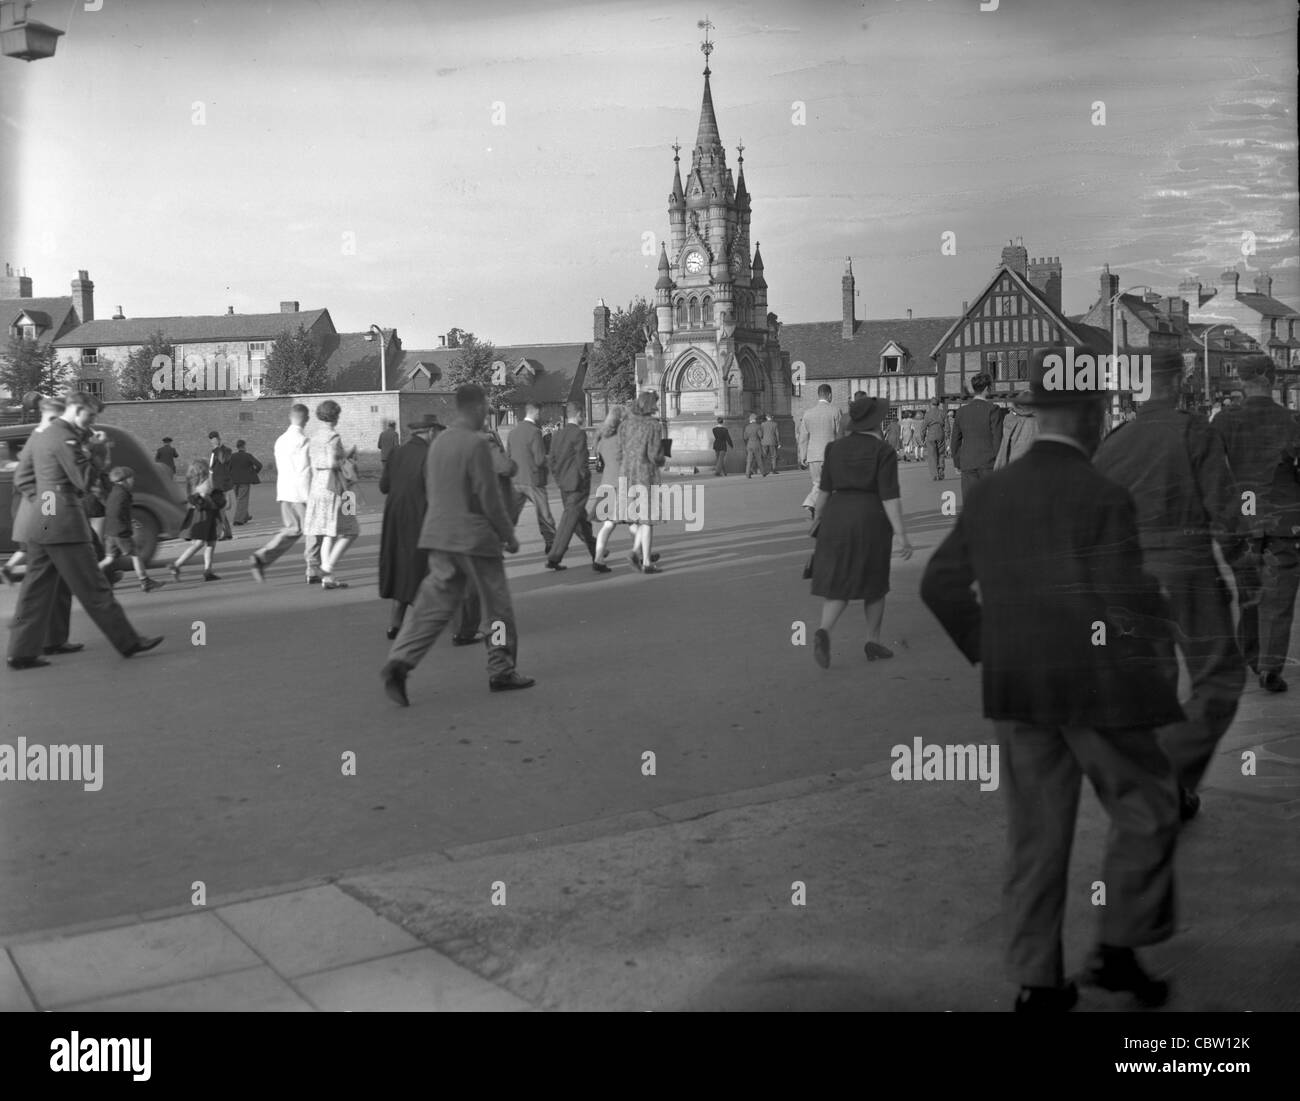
{"x": 613, "y": 361}
{"x": 28, "y": 365}
{"x": 135, "y": 376}
{"x": 294, "y": 366}
{"x": 474, "y": 364}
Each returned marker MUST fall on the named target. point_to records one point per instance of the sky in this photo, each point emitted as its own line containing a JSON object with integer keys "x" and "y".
{"x": 497, "y": 166}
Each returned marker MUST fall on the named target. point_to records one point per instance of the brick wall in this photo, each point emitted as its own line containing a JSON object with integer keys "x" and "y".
{"x": 189, "y": 420}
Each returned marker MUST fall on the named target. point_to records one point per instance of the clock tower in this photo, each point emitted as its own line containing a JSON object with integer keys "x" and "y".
{"x": 716, "y": 353}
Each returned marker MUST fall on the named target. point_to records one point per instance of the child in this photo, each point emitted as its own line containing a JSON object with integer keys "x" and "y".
{"x": 51, "y": 410}
{"x": 119, "y": 534}
{"x": 203, "y": 520}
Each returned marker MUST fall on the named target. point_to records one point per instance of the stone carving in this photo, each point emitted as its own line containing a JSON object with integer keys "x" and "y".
{"x": 697, "y": 377}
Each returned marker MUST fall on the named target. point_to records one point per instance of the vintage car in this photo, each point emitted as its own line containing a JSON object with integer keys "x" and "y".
{"x": 159, "y": 503}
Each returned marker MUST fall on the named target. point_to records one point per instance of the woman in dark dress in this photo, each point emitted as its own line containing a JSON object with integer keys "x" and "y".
{"x": 858, "y": 513}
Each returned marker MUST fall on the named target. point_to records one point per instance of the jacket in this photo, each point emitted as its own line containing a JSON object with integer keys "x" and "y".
{"x": 1068, "y": 627}
{"x": 55, "y": 477}
{"x": 466, "y": 513}
{"x": 1262, "y": 442}
{"x": 817, "y": 427}
{"x": 244, "y": 469}
{"x": 524, "y": 445}
{"x": 976, "y": 434}
{"x": 568, "y": 460}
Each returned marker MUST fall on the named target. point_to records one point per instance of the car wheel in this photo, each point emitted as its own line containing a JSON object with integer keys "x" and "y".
{"x": 145, "y": 529}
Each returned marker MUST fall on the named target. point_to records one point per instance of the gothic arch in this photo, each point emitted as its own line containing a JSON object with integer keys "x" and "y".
{"x": 681, "y": 312}
{"x": 695, "y": 312}
{"x": 707, "y": 311}
{"x": 751, "y": 371}
{"x": 675, "y": 376}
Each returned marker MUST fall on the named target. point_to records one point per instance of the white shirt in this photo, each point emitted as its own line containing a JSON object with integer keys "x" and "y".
{"x": 292, "y": 466}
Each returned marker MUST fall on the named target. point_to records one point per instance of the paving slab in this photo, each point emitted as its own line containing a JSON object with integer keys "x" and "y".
{"x": 257, "y": 990}
{"x": 314, "y": 930}
{"x": 13, "y": 995}
{"x": 116, "y": 961}
{"x": 417, "y": 981}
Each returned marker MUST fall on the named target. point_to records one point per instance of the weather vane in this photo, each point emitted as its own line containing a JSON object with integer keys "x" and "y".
{"x": 677, "y": 148}
{"x": 740, "y": 150}
{"x": 706, "y": 47}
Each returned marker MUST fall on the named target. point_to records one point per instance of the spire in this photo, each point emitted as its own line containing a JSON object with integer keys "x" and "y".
{"x": 757, "y": 281}
{"x": 742, "y": 192}
{"x": 665, "y": 280}
{"x": 707, "y": 139}
{"x": 676, "y": 198}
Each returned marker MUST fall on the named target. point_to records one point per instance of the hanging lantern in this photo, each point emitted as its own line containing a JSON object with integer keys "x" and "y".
{"x": 22, "y": 37}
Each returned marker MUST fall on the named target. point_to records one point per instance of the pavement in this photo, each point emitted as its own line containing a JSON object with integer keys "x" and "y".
{"x": 517, "y": 852}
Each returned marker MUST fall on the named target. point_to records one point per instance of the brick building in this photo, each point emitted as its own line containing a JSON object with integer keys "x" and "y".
{"x": 42, "y": 320}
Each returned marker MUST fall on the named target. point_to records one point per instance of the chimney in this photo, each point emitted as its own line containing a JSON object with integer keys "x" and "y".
{"x": 1229, "y": 279}
{"x": 289, "y": 307}
{"x": 442, "y": 340}
{"x": 1264, "y": 284}
{"x": 847, "y": 290}
{"x": 119, "y": 316}
{"x": 1191, "y": 290}
{"x": 909, "y": 315}
{"x": 1015, "y": 257}
{"x": 1044, "y": 276}
{"x": 230, "y": 311}
{"x": 14, "y": 285}
{"x": 1175, "y": 308}
{"x": 600, "y": 321}
{"x": 1109, "y": 289}
{"x": 965, "y": 307}
{"x": 83, "y": 296}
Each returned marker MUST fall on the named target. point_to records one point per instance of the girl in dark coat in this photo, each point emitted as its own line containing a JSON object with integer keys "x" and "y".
{"x": 858, "y": 514}
{"x": 203, "y": 523}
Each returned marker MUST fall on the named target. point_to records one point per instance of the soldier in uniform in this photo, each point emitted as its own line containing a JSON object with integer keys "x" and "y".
{"x": 1173, "y": 463}
{"x": 58, "y": 538}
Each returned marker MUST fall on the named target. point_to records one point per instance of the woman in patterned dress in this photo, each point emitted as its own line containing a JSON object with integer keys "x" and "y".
{"x": 332, "y": 503}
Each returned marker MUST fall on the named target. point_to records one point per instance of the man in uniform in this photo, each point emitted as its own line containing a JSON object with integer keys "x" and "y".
{"x": 1073, "y": 688}
{"x": 1173, "y": 464}
{"x": 1262, "y": 440}
{"x": 59, "y": 542}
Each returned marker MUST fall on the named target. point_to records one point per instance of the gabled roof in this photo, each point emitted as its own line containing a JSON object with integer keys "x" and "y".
{"x": 192, "y": 330}
{"x": 822, "y": 347}
{"x": 560, "y": 369}
{"x": 57, "y": 313}
{"x": 1070, "y": 328}
{"x": 38, "y": 318}
{"x": 1266, "y": 305}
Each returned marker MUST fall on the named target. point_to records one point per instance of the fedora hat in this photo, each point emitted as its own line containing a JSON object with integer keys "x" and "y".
{"x": 867, "y": 414}
{"x": 1055, "y": 378}
{"x": 429, "y": 420}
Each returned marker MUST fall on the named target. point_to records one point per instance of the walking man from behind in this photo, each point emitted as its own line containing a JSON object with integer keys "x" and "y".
{"x": 528, "y": 451}
{"x": 976, "y": 434}
{"x": 934, "y": 436}
{"x": 771, "y": 444}
{"x": 244, "y": 470}
{"x": 292, "y": 485}
{"x": 1077, "y": 677}
{"x": 722, "y": 443}
{"x": 465, "y": 529}
{"x": 817, "y": 427}
{"x": 572, "y": 473}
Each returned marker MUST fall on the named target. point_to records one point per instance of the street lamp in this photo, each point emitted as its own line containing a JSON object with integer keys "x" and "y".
{"x": 24, "y": 38}
{"x": 1227, "y": 326}
{"x": 1114, "y": 342}
{"x": 376, "y": 331}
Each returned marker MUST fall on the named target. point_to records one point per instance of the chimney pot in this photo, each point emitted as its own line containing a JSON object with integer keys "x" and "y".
{"x": 119, "y": 316}
{"x": 848, "y": 310}
{"x": 909, "y": 315}
{"x": 230, "y": 311}
{"x": 442, "y": 341}
{"x": 289, "y": 307}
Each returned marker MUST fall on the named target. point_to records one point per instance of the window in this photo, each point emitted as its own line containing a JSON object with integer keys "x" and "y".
{"x": 245, "y": 416}
{"x": 29, "y": 332}
{"x": 708, "y": 310}
{"x": 890, "y": 364}
{"x": 681, "y": 313}
{"x": 257, "y": 348}
{"x": 90, "y": 357}
{"x": 695, "y": 313}
{"x": 1022, "y": 366}
{"x": 374, "y": 409}
{"x": 92, "y": 386}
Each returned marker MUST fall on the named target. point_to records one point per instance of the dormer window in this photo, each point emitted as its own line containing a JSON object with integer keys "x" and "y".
{"x": 525, "y": 369}
{"x": 890, "y": 364}
{"x": 29, "y": 332}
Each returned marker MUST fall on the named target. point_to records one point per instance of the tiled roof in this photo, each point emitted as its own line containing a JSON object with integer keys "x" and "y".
{"x": 55, "y": 311}
{"x": 560, "y": 369}
{"x": 1266, "y": 305}
{"x": 190, "y": 330}
{"x": 821, "y": 347}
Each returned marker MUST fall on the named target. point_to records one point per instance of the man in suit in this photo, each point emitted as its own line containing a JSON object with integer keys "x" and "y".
{"x": 1173, "y": 463}
{"x": 465, "y": 529}
{"x": 976, "y": 434}
{"x": 389, "y": 441}
{"x": 59, "y": 542}
{"x": 722, "y": 442}
{"x": 244, "y": 470}
{"x": 527, "y": 450}
{"x": 572, "y": 473}
{"x": 219, "y": 468}
{"x": 934, "y": 436}
{"x": 771, "y": 444}
{"x": 1071, "y": 632}
{"x": 1262, "y": 441}
{"x": 292, "y": 486}
{"x": 817, "y": 427}
{"x": 753, "y": 446}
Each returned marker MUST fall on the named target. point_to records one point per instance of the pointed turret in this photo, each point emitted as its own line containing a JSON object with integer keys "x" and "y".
{"x": 708, "y": 138}
{"x": 665, "y": 278}
{"x": 758, "y": 282}
{"x": 677, "y": 197}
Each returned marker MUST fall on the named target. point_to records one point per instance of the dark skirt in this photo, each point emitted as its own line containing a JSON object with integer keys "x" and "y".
{"x": 854, "y": 543}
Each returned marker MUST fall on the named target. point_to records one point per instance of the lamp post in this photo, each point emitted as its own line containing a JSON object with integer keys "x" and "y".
{"x": 1227, "y": 326}
{"x": 1114, "y": 342}
{"x": 376, "y": 331}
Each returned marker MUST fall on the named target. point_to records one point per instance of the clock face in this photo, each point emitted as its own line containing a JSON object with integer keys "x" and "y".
{"x": 694, "y": 262}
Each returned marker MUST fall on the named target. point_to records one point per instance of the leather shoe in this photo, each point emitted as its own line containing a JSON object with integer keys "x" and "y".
{"x": 1188, "y": 804}
{"x": 555, "y": 565}
{"x": 143, "y": 644}
{"x": 27, "y": 663}
{"x": 1047, "y": 999}
{"x": 394, "y": 674}
{"x": 822, "y": 648}
{"x": 1272, "y": 682}
{"x": 600, "y": 567}
{"x": 66, "y": 648}
{"x": 508, "y": 682}
{"x": 467, "y": 640}
{"x": 1117, "y": 969}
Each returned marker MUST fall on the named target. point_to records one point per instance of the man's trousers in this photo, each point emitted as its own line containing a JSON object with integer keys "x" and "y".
{"x": 815, "y": 469}
{"x": 292, "y": 515}
{"x": 1041, "y": 770}
{"x": 769, "y": 458}
{"x": 934, "y": 452}
{"x": 574, "y": 518}
{"x": 970, "y": 477}
{"x": 241, "y": 503}
{"x": 753, "y": 461}
{"x": 541, "y": 502}
{"x": 439, "y": 598}
{"x": 74, "y": 567}
{"x": 1267, "y": 569}
{"x": 1202, "y": 607}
